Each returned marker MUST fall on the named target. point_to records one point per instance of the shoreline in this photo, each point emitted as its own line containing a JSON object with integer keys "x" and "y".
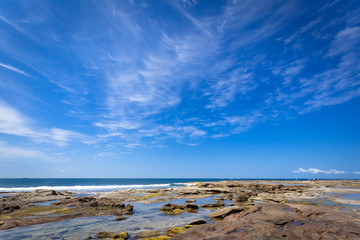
{"x": 18, "y": 210}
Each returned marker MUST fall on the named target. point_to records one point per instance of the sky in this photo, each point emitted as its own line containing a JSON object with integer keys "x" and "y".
{"x": 180, "y": 88}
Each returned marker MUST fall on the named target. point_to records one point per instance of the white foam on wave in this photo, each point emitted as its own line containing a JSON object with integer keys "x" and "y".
{"x": 90, "y": 188}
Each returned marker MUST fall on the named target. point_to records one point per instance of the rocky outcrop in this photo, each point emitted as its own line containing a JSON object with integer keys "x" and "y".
{"x": 174, "y": 231}
{"x": 18, "y": 210}
{"x": 213, "y": 205}
{"x": 242, "y": 197}
{"x": 120, "y": 218}
{"x": 195, "y": 223}
{"x": 172, "y": 209}
{"x": 281, "y": 221}
{"x": 119, "y": 236}
{"x": 222, "y": 213}
{"x": 148, "y": 234}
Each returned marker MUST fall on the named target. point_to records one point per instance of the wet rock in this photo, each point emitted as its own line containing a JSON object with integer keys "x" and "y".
{"x": 219, "y": 199}
{"x": 172, "y": 209}
{"x": 2, "y": 223}
{"x": 8, "y": 207}
{"x": 129, "y": 209}
{"x": 221, "y": 213}
{"x": 121, "y": 235}
{"x": 190, "y": 201}
{"x": 120, "y": 218}
{"x": 162, "y": 237}
{"x": 191, "y": 206}
{"x": 147, "y": 234}
{"x": 174, "y": 230}
{"x": 45, "y": 192}
{"x": 228, "y": 197}
{"x": 197, "y": 222}
{"x": 241, "y": 197}
{"x": 207, "y": 185}
{"x": 213, "y": 205}
{"x": 103, "y": 235}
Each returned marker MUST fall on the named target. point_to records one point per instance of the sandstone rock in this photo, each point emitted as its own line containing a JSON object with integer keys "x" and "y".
{"x": 103, "y": 235}
{"x": 172, "y": 209}
{"x": 190, "y": 201}
{"x": 162, "y": 237}
{"x": 213, "y": 205}
{"x": 228, "y": 197}
{"x": 191, "y": 206}
{"x": 120, "y": 218}
{"x": 45, "y": 192}
{"x": 197, "y": 222}
{"x": 147, "y": 234}
{"x": 279, "y": 221}
{"x": 177, "y": 212}
{"x": 241, "y": 197}
{"x": 221, "y": 213}
{"x": 219, "y": 199}
{"x": 174, "y": 230}
{"x": 121, "y": 235}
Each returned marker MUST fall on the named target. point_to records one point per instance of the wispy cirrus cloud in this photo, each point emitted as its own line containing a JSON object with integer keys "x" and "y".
{"x": 315, "y": 171}
{"x": 158, "y": 76}
{"x": 12, "y": 68}
{"x": 11, "y": 152}
{"x": 196, "y": 75}
{"x": 13, "y": 122}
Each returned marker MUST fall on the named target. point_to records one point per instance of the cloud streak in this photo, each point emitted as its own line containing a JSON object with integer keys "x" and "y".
{"x": 14, "y": 69}
{"x": 316, "y": 171}
{"x": 12, "y": 122}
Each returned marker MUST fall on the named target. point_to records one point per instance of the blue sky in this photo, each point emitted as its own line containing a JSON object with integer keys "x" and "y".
{"x": 240, "y": 89}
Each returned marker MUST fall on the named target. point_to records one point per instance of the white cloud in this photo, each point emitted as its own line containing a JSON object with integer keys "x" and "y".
{"x": 10, "y": 152}
{"x": 14, "y": 69}
{"x": 13, "y": 122}
{"x": 16, "y": 27}
{"x": 357, "y": 172}
{"x": 315, "y": 170}
{"x": 334, "y": 86}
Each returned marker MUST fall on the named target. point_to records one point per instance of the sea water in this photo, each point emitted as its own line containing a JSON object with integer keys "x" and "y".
{"x": 99, "y": 184}
{"x": 93, "y": 184}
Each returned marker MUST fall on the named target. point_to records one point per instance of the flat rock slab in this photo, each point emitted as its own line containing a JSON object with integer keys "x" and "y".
{"x": 222, "y": 213}
{"x": 281, "y": 221}
{"x": 148, "y": 234}
{"x": 213, "y": 205}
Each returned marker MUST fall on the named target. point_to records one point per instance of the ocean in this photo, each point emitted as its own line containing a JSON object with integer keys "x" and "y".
{"x": 99, "y": 184}
{"x": 94, "y": 184}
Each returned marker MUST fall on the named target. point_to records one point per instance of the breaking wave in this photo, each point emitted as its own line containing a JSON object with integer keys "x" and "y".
{"x": 104, "y": 188}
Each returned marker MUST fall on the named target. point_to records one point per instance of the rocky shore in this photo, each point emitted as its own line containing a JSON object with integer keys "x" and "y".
{"x": 239, "y": 209}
